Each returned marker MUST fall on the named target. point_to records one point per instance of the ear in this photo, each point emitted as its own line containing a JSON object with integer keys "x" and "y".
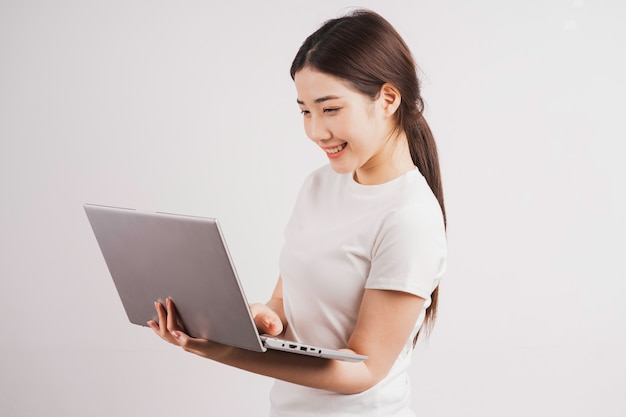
{"x": 390, "y": 99}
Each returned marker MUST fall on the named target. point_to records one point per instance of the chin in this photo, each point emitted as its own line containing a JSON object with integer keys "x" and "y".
{"x": 341, "y": 169}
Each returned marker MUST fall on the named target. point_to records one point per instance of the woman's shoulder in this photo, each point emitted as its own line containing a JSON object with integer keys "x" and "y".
{"x": 414, "y": 204}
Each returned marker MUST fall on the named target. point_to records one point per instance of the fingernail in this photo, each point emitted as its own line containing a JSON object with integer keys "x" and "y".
{"x": 176, "y": 334}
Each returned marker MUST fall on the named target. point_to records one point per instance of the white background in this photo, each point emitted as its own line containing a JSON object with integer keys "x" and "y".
{"x": 188, "y": 107}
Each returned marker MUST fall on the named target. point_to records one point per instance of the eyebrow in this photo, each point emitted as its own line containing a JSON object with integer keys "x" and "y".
{"x": 320, "y": 100}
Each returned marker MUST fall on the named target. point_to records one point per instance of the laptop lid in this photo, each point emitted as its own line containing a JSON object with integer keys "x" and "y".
{"x": 152, "y": 256}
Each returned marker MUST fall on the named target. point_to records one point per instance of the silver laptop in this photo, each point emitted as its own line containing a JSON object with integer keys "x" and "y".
{"x": 152, "y": 256}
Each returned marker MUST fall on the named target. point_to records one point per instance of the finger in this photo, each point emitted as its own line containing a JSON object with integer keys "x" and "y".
{"x": 274, "y": 328}
{"x": 266, "y": 320}
{"x": 161, "y": 316}
{"x": 172, "y": 316}
{"x": 157, "y": 329}
{"x": 266, "y": 325}
{"x": 160, "y": 327}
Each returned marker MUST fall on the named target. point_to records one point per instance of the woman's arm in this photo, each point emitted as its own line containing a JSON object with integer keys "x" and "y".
{"x": 383, "y": 327}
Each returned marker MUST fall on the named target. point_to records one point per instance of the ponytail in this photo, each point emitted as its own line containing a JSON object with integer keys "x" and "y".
{"x": 424, "y": 155}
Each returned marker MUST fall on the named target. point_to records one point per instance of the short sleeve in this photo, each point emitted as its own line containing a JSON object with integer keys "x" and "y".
{"x": 409, "y": 253}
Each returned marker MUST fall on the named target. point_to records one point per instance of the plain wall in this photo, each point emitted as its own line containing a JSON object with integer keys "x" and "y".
{"x": 188, "y": 107}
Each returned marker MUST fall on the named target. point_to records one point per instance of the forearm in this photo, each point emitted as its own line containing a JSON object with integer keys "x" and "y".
{"x": 332, "y": 375}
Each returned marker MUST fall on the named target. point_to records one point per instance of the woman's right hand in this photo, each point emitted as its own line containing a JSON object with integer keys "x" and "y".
{"x": 267, "y": 320}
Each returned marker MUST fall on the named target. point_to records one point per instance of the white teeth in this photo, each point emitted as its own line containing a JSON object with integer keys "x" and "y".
{"x": 336, "y": 149}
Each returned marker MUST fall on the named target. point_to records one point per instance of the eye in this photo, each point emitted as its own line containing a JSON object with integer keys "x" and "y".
{"x": 332, "y": 110}
{"x": 305, "y": 112}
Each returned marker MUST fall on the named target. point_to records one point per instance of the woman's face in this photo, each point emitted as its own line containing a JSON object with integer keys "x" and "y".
{"x": 352, "y": 129}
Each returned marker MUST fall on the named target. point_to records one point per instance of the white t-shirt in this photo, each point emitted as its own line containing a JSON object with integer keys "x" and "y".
{"x": 342, "y": 238}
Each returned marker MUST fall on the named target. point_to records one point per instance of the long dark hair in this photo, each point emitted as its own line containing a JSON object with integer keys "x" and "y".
{"x": 365, "y": 50}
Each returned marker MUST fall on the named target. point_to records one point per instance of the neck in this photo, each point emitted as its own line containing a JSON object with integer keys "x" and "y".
{"x": 391, "y": 163}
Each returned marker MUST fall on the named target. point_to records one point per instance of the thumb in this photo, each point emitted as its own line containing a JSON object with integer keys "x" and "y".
{"x": 266, "y": 320}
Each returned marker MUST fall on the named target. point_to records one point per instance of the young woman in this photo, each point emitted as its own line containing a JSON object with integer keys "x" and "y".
{"x": 365, "y": 247}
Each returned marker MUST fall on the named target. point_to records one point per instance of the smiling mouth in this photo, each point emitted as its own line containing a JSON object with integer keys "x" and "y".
{"x": 336, "y": 148}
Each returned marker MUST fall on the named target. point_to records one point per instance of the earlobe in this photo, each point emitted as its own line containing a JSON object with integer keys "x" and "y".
{"x": 391, "y": 98}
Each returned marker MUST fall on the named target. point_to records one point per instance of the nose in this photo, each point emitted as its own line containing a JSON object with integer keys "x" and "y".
{"x": 316, "y": 129}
